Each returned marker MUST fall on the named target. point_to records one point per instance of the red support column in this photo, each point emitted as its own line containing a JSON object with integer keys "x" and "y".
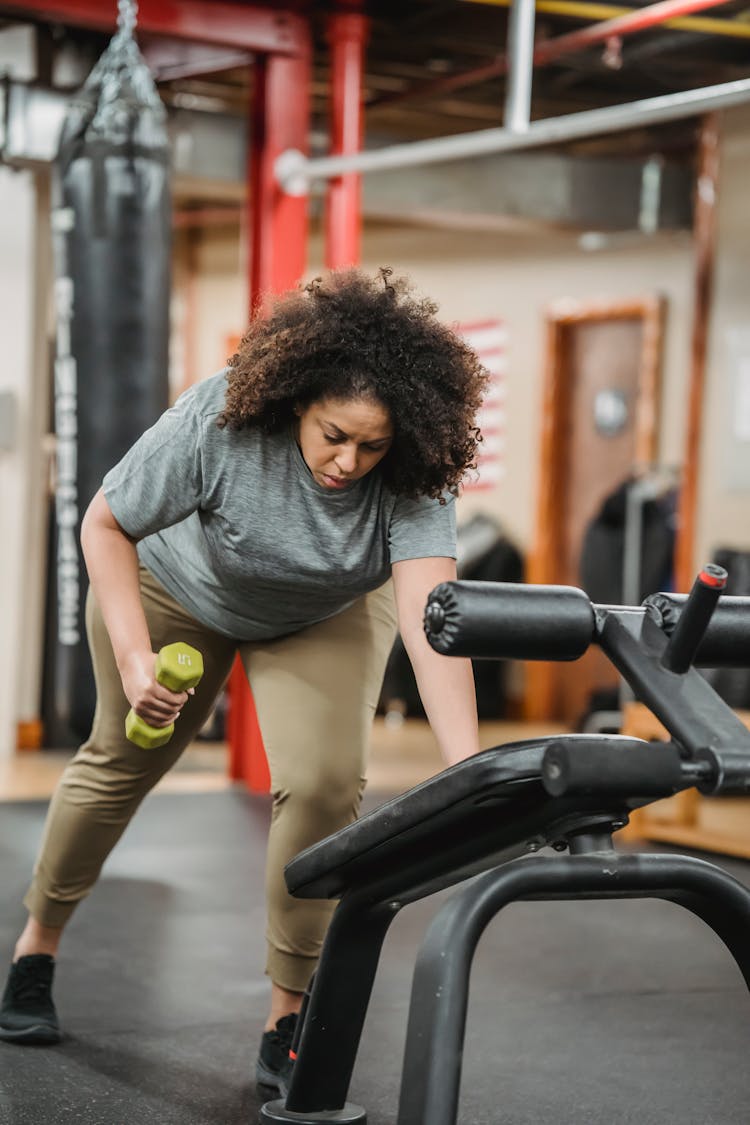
{"x": 277, "y": 224}
{"x": 347, "y": 35}
{"x": 247, "y": 755}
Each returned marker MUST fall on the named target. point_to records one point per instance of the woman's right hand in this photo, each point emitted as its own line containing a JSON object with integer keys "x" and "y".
{"x": 151, "y": 701}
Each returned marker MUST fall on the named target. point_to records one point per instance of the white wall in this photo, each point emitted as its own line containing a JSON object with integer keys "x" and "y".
{"x": 22, "y": 468}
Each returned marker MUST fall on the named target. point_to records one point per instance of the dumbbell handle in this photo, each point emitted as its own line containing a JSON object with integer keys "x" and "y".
{"x": 179, "y": 667}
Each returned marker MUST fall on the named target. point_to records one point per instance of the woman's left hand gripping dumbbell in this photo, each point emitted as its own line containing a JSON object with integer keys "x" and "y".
{"x": 159, "y": 691}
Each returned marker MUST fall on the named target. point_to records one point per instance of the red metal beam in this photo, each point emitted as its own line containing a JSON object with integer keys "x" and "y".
{"x": 277, "y": 222}
{"x": 347, "y": 34}
{"x": 254, "y": 28}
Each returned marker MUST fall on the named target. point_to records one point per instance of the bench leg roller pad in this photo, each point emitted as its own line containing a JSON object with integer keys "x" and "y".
{"x": 273, "y": 1112}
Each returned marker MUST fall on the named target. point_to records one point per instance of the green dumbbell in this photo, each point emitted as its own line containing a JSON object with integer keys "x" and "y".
{"x": 178, "y": 667}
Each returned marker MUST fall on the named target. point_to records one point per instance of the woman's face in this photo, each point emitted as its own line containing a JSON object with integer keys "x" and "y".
{"x": 343, "y": 439}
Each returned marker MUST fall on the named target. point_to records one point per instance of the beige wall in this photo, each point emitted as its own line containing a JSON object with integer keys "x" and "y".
{"x": 480, "y": 275}
{"x": 724, "y": 491}
{"x": 474, "y": 276}
{"x": 209, "y": 308}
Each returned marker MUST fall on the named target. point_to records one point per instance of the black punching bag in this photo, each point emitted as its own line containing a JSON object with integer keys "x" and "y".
{"x": 111, "y": 226}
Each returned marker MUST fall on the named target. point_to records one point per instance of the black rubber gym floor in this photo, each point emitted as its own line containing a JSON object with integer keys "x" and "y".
{"x": 588, "y": 1012}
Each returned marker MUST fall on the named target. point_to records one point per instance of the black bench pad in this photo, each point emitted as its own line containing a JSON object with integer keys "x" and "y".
{"x": 466, "y": 819}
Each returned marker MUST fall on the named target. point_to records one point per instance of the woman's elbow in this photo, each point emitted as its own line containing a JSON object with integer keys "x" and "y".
{"x": 98, "y": 518}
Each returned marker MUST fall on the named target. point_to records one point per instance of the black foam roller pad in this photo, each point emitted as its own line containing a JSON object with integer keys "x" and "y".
{"x": 509, "y": 620}
{"x": 622, "y": 768}
{"x": 726, "y": 642}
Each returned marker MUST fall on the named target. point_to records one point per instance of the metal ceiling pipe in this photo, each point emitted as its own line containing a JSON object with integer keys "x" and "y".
{"x": 520, "y": 55}
{"x": 294, "y": 171}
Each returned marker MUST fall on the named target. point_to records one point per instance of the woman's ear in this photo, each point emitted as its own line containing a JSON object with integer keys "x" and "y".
{"x": 297, "y": 409}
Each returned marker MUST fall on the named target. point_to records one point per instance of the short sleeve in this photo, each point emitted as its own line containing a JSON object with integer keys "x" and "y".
{"x": 422, "y": 528}
{"x": 159, "y": 481}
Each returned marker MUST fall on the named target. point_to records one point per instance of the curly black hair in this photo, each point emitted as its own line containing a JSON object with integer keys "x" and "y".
{"x": 350, "y": 336}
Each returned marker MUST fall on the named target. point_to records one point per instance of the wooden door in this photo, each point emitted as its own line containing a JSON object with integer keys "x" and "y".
{"x": 599, "y": 427}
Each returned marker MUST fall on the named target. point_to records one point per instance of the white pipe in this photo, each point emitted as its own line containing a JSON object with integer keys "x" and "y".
{"x": 294, "y": 171}
{"x": 520, "y": 53}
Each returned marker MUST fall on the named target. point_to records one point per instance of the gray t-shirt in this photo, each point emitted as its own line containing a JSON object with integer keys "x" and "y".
{"x": 233, "y": 524}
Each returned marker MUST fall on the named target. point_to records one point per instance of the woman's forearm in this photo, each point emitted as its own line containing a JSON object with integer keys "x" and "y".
{"x": 446, "y": 688}
{"x": 112, "y": 564}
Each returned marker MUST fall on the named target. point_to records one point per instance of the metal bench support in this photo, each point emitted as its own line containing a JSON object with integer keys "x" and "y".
{"x": 437, "y": 1017}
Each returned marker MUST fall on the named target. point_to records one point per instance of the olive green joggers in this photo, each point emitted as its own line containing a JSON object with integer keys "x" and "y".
{"x": 315, "y": 692}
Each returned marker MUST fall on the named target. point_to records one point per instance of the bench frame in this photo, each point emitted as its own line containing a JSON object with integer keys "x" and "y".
{"x": 337, "y": 1005}
{"x": 399, "y": 854}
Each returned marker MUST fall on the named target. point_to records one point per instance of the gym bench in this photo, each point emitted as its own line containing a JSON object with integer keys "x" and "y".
{"x": 490, "y": 814}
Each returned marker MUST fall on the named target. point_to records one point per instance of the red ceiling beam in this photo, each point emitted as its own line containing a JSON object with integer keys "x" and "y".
{"x": 265, "y": 30}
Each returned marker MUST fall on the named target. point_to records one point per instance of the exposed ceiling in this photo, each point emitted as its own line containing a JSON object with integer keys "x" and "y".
{"x": 445, "y": 37}
{"x": 415, "y": 46}
{"x": 425, "y": 59}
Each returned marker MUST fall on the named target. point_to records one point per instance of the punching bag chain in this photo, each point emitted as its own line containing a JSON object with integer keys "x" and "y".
{"x": 127, "y": 17}
{"x": 123, "y": 81}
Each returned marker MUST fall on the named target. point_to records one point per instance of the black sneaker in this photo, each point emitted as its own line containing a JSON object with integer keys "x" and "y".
{"x": 28, "y": 1013}
{"x": 273, "y": 1069}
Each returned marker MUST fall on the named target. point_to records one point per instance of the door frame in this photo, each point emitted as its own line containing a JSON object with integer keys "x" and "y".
{"x": 544, "y": 558}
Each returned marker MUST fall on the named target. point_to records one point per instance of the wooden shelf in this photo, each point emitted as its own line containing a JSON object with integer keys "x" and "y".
{"x": 714, "y": 824}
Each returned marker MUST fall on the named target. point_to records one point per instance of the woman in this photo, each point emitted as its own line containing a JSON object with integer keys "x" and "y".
{"x": 266, "y": 513}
